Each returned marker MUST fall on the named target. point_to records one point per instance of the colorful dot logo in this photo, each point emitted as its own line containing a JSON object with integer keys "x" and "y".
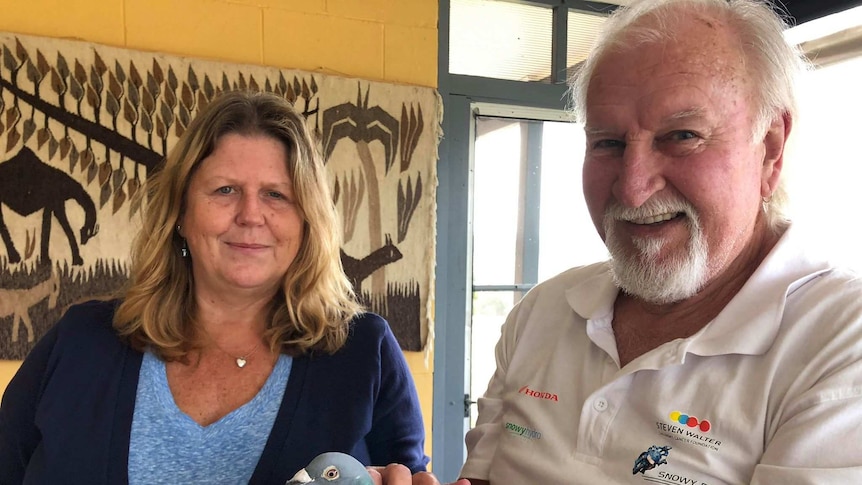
{"x": 690, "y": 421}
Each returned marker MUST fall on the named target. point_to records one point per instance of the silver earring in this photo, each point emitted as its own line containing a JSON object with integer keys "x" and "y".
{"x": 184, "y": 251}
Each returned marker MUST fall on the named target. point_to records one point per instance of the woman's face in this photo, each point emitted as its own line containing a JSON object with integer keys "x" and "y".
{"x": 241, "y": 221}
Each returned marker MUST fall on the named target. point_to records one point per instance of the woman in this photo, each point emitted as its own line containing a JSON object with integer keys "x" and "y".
{"x": 238, "y": 352}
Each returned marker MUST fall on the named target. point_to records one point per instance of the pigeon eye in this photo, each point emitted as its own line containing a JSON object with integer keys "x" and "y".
{"x": 330, "y": 473}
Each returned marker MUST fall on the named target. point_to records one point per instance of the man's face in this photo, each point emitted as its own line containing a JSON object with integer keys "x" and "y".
{"x": 672, "y": 178}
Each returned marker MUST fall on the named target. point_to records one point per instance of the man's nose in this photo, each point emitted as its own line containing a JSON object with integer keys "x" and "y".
{"x": 640, "y": 175}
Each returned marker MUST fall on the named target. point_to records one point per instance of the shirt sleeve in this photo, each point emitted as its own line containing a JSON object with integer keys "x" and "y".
{"x": 19, "y": 435}
{"x": 397, "y": 431}
{"x": 817, "y": 440}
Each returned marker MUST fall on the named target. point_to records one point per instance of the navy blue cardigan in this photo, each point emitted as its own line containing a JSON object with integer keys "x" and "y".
{"x": 66, "y": 416}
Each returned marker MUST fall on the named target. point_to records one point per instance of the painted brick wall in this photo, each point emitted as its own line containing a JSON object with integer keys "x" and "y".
{"x": 384, "y": 40}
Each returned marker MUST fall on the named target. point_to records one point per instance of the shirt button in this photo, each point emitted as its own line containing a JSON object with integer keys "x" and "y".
{"x": 600, "y": 404}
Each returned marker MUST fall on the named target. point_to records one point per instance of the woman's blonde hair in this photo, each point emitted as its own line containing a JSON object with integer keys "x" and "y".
{"x": 313, "y": 311}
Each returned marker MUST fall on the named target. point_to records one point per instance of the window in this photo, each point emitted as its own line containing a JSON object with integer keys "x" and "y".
{"x": 501, "y": 40}
{"x": 529, "y": 221}
{"x": 513, "y": 54}
{"x": 583, "y": 27}
{"x": 823, "y": 164}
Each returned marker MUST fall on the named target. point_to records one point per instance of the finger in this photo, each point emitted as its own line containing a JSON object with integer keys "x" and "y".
{"x": 375, "y": 474}
{"x": 394, "y": 474}
{"x": 425, "y": 478}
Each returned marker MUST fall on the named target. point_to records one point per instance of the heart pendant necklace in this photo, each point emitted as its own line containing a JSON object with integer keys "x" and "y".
{"x": 240, "y": 361}
{"x": 243, "y": 360}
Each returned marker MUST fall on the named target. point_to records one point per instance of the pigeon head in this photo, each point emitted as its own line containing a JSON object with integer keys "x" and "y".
{"x": 332, "y": 468}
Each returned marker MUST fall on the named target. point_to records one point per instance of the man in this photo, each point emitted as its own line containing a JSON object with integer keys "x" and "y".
{"x": 711, "y": 348}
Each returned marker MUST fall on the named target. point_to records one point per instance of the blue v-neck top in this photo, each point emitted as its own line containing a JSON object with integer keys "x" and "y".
{"x": 66, "y": 416}
{"x": 166, "y": 442}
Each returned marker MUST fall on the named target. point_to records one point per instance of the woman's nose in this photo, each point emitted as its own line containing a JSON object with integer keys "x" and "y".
{"x": 250, "y": 211}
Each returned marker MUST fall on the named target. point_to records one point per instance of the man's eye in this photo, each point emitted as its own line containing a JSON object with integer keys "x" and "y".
{"x": 680, "y": 143}
{"x": 608, "y": 144}
{"x": 682, "y": 135}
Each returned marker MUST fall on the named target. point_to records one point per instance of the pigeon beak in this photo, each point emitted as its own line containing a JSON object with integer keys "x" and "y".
{"x": 300, "y": 478}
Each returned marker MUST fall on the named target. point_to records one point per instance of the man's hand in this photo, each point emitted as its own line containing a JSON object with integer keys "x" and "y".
{"x": 400, "y": 475}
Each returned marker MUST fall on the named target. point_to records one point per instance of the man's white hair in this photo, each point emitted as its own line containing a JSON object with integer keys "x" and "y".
{"x": 771, "y": 63}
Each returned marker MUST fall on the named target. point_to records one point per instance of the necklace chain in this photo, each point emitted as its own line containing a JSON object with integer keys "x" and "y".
{"x": 240, "y": 361}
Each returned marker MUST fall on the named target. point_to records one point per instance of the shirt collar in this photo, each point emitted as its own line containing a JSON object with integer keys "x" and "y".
{"x": 750, "y": 321}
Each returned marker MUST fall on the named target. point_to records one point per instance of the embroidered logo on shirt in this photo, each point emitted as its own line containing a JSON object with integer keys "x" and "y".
{"x": 690, "y": 421}
{"x": 688, "y": 429}
{"x": 671, "y": 478}
{"x": 654, "y": 456}
{"x": 522, "y": 431}
{"x": 539, "y": 394}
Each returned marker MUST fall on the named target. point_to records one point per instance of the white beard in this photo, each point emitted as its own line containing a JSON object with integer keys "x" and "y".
{"x": 640, "y": 274}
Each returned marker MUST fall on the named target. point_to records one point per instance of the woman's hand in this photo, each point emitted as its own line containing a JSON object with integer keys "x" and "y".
{"x": 400, "y": 475}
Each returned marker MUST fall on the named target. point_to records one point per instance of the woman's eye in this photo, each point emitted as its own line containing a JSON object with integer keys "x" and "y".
{"x": 225, "y": 190}
{"x": 275, "y": 195}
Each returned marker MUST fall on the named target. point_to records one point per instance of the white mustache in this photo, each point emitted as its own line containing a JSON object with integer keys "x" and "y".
{"x": 650, "y": 212}
{"x": 637, "y": 272}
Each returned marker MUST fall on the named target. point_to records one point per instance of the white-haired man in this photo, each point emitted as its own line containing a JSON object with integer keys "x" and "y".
{"x": 711, "y": 348}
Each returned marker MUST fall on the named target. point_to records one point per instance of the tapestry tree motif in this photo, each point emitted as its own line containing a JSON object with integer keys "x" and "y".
{"x": 82, "y": 126}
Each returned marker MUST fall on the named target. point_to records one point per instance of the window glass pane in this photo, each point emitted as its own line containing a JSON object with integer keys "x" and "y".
{"x": 823, "y": 164}
{"x": 490, "y": 309}
{"x": 567, "y": 237}
{"x": 500, "y": 40}
{"x": 496, "y": 178}
{"x": 583, "y": 27}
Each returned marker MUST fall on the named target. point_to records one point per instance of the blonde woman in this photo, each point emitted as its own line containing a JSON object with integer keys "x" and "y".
{"x": 238, "y": 351}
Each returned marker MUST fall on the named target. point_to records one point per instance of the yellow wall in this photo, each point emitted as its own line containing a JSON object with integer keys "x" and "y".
{"x": 385, "y": 40}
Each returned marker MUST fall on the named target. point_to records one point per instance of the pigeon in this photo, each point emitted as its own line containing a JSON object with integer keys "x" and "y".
{"x": 332, "y": 468}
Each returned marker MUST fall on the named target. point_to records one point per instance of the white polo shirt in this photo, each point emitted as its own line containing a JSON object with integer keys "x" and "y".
{"x": 769, "y": 392}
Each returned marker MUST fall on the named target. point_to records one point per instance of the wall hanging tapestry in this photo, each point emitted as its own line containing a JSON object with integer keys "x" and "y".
{"x": 83, "y": 125}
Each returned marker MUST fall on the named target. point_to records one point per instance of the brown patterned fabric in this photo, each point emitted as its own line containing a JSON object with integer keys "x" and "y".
{"x": 83, "y": 125}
